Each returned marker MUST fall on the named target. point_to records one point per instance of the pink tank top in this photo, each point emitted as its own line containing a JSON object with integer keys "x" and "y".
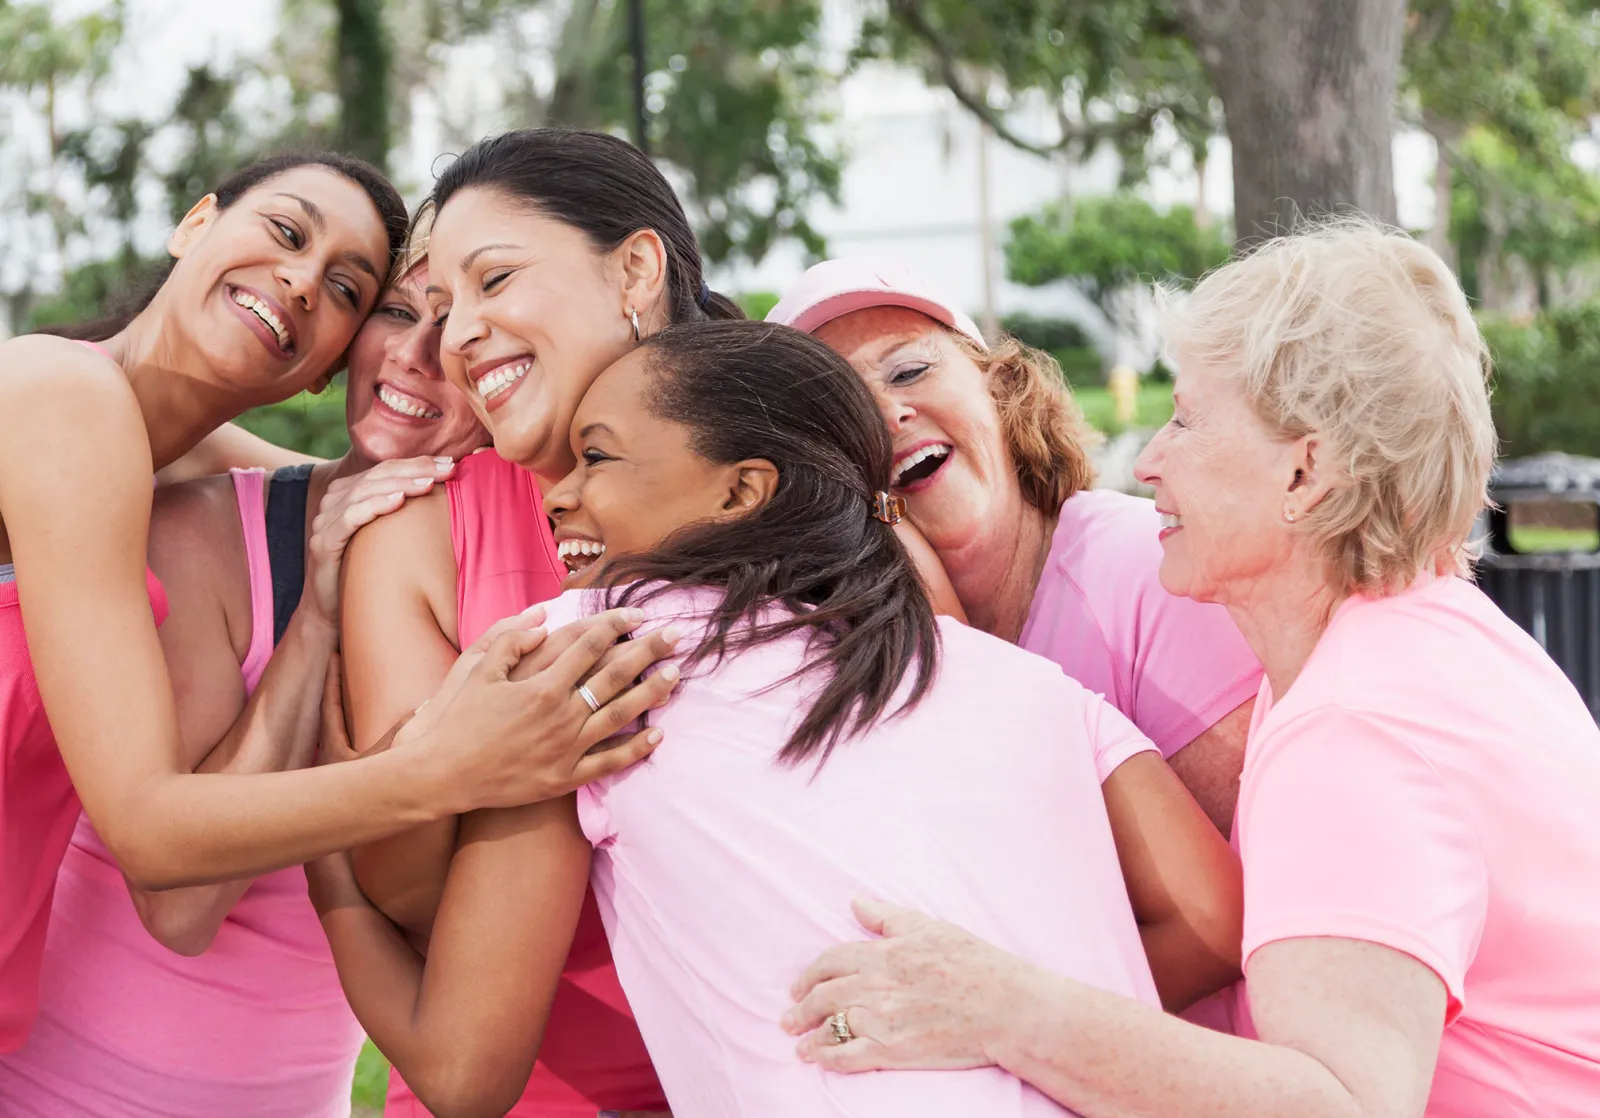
{"x": 256, "y": 1025}
{"x": 38, "y": 809}
{"x": 593, "y": 1057}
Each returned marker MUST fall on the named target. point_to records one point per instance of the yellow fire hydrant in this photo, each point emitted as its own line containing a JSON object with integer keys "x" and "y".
{"x": 1123, "y": 384}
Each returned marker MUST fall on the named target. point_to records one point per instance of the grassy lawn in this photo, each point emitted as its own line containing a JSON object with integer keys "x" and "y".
{"x": 372, "y": 1083}
{"x": 1530, "y": 538}
{"x": 1153, "y": 410}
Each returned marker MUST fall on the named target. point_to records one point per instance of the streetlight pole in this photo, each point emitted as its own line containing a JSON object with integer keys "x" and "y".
{"x": 641, "y": 137}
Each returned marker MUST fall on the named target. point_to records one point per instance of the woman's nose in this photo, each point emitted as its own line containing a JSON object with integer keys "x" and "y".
{"x": 563, "y": 496}
{"x": 417, "y": 351}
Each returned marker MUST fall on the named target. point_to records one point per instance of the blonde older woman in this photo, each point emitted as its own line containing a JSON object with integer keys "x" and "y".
{"x": 990, "y": 458}
{"x": 1422, "y": 928}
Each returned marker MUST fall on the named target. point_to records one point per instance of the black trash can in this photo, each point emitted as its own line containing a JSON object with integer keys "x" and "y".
{"x": 1541, "y": 560}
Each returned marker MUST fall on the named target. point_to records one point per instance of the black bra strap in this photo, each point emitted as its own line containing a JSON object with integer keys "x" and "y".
{"x": 286, "y": 542}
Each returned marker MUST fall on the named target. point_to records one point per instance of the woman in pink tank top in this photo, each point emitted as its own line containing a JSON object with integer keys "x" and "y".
{"x": 223, "y": 999}
{"x": 273, "y": 274}
{"x": 725, "y": 479}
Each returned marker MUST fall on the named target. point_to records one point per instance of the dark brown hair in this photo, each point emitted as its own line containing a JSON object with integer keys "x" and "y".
{"x": 385, "y": 199}
{"x": 756, "y": 390}
{"x": 600, "y": 185}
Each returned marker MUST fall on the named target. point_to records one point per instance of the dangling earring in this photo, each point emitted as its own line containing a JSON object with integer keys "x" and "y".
{"x": 633, "y": 316}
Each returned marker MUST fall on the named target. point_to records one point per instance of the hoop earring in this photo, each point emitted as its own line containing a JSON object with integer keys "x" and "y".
{"x": 633, "y": 316}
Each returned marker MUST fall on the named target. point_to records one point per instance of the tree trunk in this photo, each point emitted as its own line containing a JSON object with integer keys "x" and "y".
{"x": 362, "y": 61}
{"x": 1308, "y": 90}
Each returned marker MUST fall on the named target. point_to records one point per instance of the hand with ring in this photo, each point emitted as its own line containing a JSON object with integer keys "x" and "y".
{"x": 926, "y": 994}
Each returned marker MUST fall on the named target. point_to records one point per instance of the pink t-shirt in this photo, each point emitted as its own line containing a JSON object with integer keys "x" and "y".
{"x": 721, "y": 874}
{"x": 1172, "y": 665}
{"x": 1431, "y": 783}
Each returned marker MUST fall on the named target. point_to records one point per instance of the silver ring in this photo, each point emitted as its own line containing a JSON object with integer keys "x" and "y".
{"x": 588, "y": 697}
{"x": 839, "y": 1026}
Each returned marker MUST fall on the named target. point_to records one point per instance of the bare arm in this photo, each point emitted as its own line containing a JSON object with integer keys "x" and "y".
{"x": 229, "y": 447}
{"x": 1184, "y": 881}
{"x": 75, "y": 470}
{"x": 1209, "y": 766}
{"x": 1348, "y": 1029}
{"x": 464, "y": 1025}
{"x": 401, "y": 578}
{"x": 195, "y": 549}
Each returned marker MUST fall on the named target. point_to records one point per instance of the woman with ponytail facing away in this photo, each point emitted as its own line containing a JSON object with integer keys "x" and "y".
{"x": 831, "y": 737}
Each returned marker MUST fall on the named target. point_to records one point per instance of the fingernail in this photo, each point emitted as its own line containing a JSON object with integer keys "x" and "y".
{"x": 444, "y": 464}
{"x": 671, "y": 635}
{"x": 670, "y": 673}
{"x": 653, "y": 737}
{"x": 786, "y": 1022}
{"x": 537, "y": 607}
{"x": 422, "y": 482}
{"x": 633, "y": 616}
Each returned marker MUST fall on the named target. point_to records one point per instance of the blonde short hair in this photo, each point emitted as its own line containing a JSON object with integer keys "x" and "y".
{"x": 1361, "y": 334}
{"x": 415, "y": 251}
{"x": 1044, "y": 429}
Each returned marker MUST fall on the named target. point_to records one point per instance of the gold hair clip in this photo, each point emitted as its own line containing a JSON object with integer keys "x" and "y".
{"x": 890, "y": 510}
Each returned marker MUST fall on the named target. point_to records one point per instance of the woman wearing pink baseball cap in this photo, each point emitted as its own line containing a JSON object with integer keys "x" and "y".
{"x": 990, "y": 458}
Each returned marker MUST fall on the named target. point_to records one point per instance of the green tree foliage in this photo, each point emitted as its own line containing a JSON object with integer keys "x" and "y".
{"x": 1506, "y": 88}
{"x": 1108, "y": 245}
{"x": 1544, "y": 387}
{"x": 734, "y": 94}
{"x": 307, "y": 423}
{"x": 1112, "y": 70}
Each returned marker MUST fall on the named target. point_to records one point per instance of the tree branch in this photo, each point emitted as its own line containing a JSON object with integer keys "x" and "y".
{"x": 1085, "y": 135}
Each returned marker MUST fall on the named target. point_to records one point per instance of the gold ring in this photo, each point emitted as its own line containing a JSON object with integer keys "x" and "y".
{"x": 839, "y": 1026}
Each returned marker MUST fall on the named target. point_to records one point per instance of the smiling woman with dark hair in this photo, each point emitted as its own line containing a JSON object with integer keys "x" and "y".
{"x": 272, "y": 276}
{"x": 831, "y": 736}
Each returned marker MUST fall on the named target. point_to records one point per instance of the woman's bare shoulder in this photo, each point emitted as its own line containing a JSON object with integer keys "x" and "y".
{"x": 407, "y": 551}
{"x": 53, "y": 387}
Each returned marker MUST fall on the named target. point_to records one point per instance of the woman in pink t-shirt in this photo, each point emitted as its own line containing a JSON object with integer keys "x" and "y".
{"x": 556, "y": 252}
{"x": 731, "y": 476}
{"x": 1417, "y": 814}
{"x": 222, "y": 999}
{"x": 990, "y": 459}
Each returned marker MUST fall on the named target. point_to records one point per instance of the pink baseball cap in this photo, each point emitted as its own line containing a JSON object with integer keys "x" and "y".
{"x": 835, "y": 288}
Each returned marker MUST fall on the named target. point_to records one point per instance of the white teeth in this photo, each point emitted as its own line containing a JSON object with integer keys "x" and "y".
{"x": 577, "y": 554}
{"x": 404, "y": 405}
{"x": 264, "y": 313}
{"x": 1171, "y": 520}
{"x": 501, "y": 379}
{"x": 937, "y": 450}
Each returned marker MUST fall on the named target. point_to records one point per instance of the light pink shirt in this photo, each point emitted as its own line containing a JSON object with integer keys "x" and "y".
{"x": 1172, "y": 665}
{"x": 721, "y": 874}
{"x": 1431, "y": 783}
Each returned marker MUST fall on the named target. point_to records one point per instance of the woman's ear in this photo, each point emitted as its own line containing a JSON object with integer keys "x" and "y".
{"x": 751, "y": 484}
{"x": 200, "y": 215}
{"x": 1314, "y": 476}
{"x": 642, "y": 258}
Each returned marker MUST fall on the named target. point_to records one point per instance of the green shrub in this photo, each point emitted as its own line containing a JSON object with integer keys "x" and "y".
{"x": 307, "y": 423}
{"x": 1547, "y": 381}
{"x": 756, "y": 304}
{"x": 1043, "y": 332}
